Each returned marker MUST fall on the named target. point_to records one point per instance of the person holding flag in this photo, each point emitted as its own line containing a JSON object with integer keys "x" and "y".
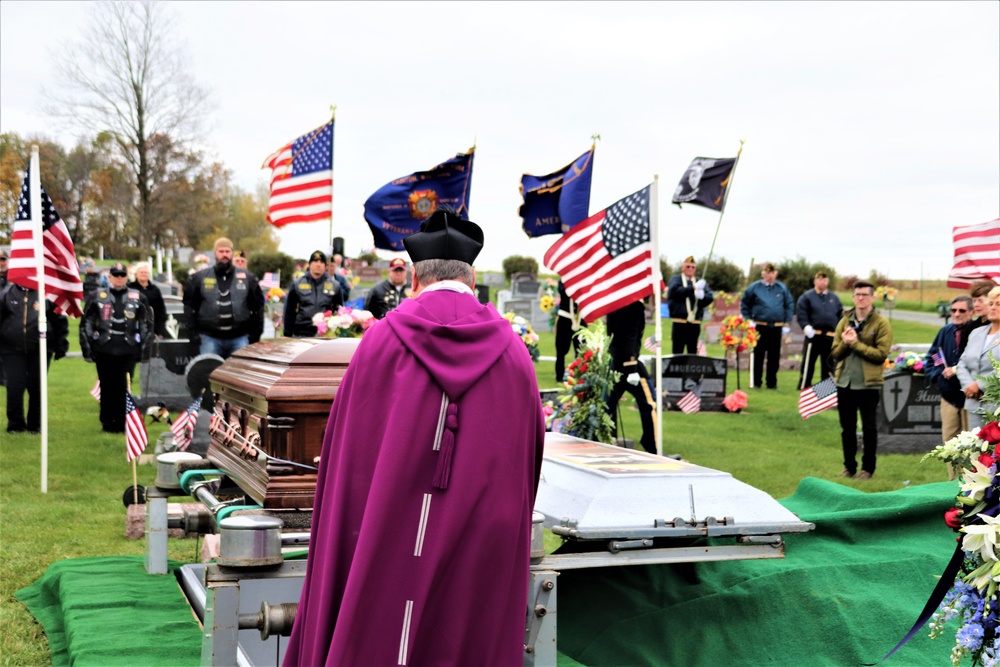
{"x": 114, "y": 330}
{"x": 687, "y": 299}
{"x": 19, "y": 350}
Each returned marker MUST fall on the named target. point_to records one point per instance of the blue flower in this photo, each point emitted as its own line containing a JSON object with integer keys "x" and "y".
{"x": 970, "y": 636}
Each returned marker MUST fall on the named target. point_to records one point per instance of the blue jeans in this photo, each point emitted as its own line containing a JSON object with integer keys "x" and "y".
{"x": 224, "y": 347}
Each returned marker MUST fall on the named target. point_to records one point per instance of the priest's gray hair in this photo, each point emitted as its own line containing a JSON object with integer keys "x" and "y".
{"x": 432, "y": 270}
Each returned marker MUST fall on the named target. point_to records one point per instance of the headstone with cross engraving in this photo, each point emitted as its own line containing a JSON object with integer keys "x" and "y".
{"x": 909, "y": 414}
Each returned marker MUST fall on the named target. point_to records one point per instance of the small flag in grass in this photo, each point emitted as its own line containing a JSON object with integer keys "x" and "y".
{"x": 690, "y": 402}
{"x": 817, "y": 398}
{"x": 135, "y": 429}
{"x": 96, "y": 391}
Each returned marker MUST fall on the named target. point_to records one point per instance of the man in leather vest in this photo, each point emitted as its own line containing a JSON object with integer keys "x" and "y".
{"x": 389, "y": 293}
{"x": 113, "y": 332}
{"x": 223, "y": 305}
{"x": 315, "y": 292}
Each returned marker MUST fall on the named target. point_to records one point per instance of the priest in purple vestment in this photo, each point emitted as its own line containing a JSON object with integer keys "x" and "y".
{"x": 421, "y": 528}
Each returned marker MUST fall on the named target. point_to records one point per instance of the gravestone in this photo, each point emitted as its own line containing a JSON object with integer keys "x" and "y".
{"x": 681, "y": 372}
{"x": 370, "y": 274}
{"x": 909, "y": 415}
{"x": 491, "y": 279}
{"x": 162, "y": 378}
{"x": 483, "y": 293}
{"x": 525, "y": 288}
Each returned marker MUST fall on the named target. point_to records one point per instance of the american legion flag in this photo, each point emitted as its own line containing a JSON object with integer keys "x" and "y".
{"x": 62, "y": 274}
{"x": 817, "y": 398}
{"x": 606, "y": 261}
{"x": 135, "y": 429}
{"x": 977, "y": 254}
{"x": 302, "y": 179}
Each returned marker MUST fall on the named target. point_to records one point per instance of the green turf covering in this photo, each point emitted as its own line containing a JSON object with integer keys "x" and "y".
{"x": 108, "y": 611}
{"x": 844, "y": 594}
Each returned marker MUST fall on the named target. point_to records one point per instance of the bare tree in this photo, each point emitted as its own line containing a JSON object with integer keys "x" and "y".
{"x": 128, "y": 77}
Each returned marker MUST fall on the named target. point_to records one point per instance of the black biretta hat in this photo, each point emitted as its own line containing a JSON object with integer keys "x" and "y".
{"x": 444, "y": 235}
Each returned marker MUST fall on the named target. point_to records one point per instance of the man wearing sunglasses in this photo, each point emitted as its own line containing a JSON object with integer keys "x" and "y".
{"x": 940, "y": 365}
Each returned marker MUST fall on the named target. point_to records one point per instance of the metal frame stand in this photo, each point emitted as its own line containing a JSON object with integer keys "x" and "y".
{"x": 156, "y": 530}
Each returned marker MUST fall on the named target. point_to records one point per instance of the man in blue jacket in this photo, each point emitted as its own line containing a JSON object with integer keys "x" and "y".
{"x": 939, "y": 367}
{"x": 768, "y": 304}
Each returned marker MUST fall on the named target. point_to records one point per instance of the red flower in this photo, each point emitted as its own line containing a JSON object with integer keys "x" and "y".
{"x": 588, "y": 354}
{"x": 990, "y": 433}
{"x": 953, "y": 518}
{"x": 741, "y": 347}
{"x": 986, "y": 459}
{"x": 583, "y": 368}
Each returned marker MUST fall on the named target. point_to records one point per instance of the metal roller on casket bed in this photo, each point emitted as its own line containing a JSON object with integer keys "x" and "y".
{"x": 612, "y": 506}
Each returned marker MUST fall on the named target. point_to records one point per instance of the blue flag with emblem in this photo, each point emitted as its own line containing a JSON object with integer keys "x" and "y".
{"x": 397, "y": 208}
{"x": 554, "y": 203}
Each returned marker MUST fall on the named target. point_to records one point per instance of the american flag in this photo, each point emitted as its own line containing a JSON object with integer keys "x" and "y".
{"x": 651, "y": 344}
{"x": 606, "y": 261}
{"x": 271, "y": 279}
{"x": 183, "y": 426}
{"x": 702, "y": 350}
{"x": 62, "y": 274}
{"x": 977, "y": 254}
{"x": 302, "y": 179}
{"x": 96, "y": 391}
{"x": 817, "y": 398}
{"x": 690, "y": 402}
{"x": 135, "y": 429}
{"x": 938, "y": 358}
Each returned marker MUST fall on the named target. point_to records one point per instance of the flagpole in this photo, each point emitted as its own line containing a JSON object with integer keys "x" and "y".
{"x": 333, "y": 116}
{"x": 654, "y": 233}
{"x": 722, "y": 211}
{"x": 135, "y": 473}
{"x": 35, "y": 201}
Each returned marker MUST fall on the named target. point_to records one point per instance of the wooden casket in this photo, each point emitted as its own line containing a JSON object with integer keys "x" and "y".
{"x": 276, "y": 395}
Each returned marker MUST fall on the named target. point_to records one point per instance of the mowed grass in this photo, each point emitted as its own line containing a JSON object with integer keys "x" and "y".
{"x": 768, "y": 446}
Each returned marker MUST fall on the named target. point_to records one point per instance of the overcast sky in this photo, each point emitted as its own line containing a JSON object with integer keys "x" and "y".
{"x": 871, "y": 128}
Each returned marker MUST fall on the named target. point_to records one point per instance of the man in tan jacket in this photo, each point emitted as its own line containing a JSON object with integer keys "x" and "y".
{"x": 860, "y": 346}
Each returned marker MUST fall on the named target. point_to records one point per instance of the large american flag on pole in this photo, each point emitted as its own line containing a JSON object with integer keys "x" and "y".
{"x": 817, "y": 398}
{"x": 606, "y": 261}
{"x": 62, "y": 274}
{"x": 977, "y": 254}
{"x": 302, "y": 179}
{"x": 135, "y": 429}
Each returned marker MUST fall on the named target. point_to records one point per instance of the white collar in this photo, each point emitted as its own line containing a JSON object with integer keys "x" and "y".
{"x": 448, "y": 286}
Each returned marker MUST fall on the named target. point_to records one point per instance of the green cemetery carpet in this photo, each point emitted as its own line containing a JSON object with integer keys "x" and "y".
{"x": 844, "y": 594}
{"x": 108, "y": 611}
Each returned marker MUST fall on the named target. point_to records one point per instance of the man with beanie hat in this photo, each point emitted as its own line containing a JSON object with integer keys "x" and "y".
{"x": 223, "y": 305}
{"x": 407, "y": 452}
{"x": 315, "y": 292}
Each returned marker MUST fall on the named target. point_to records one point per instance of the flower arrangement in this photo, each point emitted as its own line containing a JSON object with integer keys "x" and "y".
{"x": 911, "y": 362}
{"x": 549, "y": 301}
{"x": 729, "y": 298}
{"x": 974, "y": 599}
{"x": 200, "y": 261}
{"x": 275, "y": 295}
{"x": 738, "y": 333}
{"x": 273, "y": 301}
{"x": 524, "y": 331}
{"x": 589, "y": 379}
{"x": 885, "y": 293}
{"x": 736, "y": 401}
{"x": 346, "y": 323}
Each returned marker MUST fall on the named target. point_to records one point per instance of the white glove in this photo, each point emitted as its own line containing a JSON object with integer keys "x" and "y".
{"x": 700, "y": 284}
{"x": 752, "y": 324}
{"x": 699, "y": 294}
{"x": 785, "y": 331}
{"x": 809, "y": 331}
{"x": 632, "y": 379}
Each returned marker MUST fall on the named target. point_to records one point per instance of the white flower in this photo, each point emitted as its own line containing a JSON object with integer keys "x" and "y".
{"x": 982, "y": 538}
{"x": 974, "y": 484}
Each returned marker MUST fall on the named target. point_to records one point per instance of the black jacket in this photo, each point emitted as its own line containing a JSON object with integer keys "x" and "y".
{"x": 115, "y": 323}
{"x": 19, "y": 323}
{"x": 306, "y": 297}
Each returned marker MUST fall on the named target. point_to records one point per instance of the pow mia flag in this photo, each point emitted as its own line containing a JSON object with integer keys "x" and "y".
{"x": 704, "y": 183}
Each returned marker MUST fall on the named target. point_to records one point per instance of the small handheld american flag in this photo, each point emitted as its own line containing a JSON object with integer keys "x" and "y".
{"x": 183, "y": 426}
{"x": 938, "y": 358}
{"x": 817, "y": 398}
{"x": 690, "y": 402}
{"x": 135, "y": 429}
{"x": 651, "y": 344}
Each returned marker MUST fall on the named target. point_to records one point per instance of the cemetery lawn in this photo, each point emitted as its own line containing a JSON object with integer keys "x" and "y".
{"x": 768, "y": 446}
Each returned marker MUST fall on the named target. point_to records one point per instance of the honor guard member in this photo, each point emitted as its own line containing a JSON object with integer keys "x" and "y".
{"x": 686, "y": 301}
{"x": 389, "y": 293}
{"x": 223, "y": 305}
{"x": 114, "y": 329}
{"x": 818, "y": 312}
{"x": 625, "y": 326}
{"x": 568, "y": 322}
{"x": 315, "y": 292}
{"x": 768, "y": 304}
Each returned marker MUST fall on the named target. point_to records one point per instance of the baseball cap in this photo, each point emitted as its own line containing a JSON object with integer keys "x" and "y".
{"x": 118, "y": 269}
{"x": 397, "y": 263}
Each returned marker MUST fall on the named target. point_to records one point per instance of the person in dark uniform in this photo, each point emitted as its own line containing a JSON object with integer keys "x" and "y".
{"x": 625, "y": 326}
{"x": 224, "y": 305}
{"x": 389, "y": 293}
{"x": 315, "y": 292}
{"x": 768, "y": 303}
{"x": 19, "y": 350}
{"x": 91, "y": 278}
{"x": 818, "y": 312}
{"x": 3, "y": 283}
{"x": 113, "y": 332}
{"x": 568, "y": 322}
{"x": 686, "y": 302}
